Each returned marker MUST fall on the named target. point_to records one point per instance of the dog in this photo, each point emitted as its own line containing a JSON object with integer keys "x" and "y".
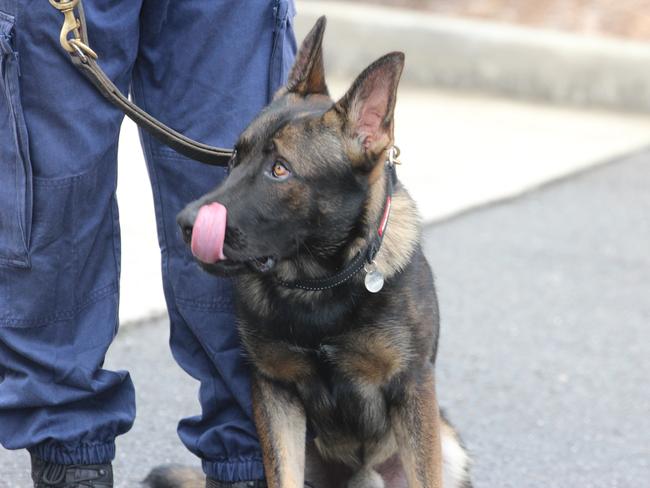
{"x": 336, "y": 304}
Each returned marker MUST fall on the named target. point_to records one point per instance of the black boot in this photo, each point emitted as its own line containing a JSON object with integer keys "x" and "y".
{"x": 50, "y": 475}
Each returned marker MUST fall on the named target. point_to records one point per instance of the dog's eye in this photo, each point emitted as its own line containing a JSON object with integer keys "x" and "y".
{"x": 279, "y": 171}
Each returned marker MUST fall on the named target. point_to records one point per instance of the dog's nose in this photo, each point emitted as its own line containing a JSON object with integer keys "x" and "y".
{"x": 185, "y": 221}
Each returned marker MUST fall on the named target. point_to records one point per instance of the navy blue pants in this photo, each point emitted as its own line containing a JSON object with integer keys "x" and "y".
{"x": 204, "y": 67}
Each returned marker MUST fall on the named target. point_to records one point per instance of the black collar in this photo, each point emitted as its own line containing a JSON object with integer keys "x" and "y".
{"x": 362, "y": 258}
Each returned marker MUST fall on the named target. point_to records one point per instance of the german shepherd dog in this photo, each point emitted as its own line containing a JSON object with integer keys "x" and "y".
{"x": 309, "y": 221}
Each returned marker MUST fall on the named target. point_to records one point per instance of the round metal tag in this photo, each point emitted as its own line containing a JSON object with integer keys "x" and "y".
{"x": 374, "y": 281}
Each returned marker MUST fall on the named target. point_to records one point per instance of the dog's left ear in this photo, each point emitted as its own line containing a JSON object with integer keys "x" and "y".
{"x": 368, "y": 110}
{"x": 307, "y": 76}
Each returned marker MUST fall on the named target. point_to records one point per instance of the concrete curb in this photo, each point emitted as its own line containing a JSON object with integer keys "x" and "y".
{"x": 483, "y": 56}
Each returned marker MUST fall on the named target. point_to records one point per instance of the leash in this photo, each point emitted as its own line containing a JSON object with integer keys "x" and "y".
{"x": 374, "y": 279}
{"x": 74, "y": 39}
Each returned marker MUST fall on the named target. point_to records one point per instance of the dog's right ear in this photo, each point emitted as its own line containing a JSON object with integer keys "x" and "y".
{"x": 367, "y": 111}
{"x": 307, "y": 76}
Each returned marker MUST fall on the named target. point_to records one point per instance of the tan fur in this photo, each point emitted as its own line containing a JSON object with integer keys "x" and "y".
{"x": 372, "y": 357}
{"x": 281, "y": 426}
{"x": 279, "y": 361}
{"x": 367, "y": 478}
{"x": 291, "y": 140}
{"x": 455, "y": 460}
{"x": 403, "y": 231}
{"x": 402, "y": 235}
{"x": 295, "y": 196}
{"x": 375, "y": 368}
{"x": 331, "y": 120}
{"x": 417, "y": 430}
{"x": 346, "y": 450}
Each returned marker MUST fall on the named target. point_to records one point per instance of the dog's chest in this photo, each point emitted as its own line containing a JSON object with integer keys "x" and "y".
{"x": 364, "y": 360}
{"x": 344, "y": 395}
{"x": 343, "y": 383}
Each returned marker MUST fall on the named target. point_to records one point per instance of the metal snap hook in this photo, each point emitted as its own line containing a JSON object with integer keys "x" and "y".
{"x": 393, "y": 155}
{"x": 71, "y": 25}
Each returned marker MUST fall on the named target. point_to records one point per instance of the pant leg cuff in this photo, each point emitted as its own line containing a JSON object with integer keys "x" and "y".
{"x": 244, "y": 469}
{"x": 87, "y": 453}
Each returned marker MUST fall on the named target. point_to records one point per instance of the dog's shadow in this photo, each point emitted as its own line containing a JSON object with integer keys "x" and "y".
{"x": 320, "y": 473}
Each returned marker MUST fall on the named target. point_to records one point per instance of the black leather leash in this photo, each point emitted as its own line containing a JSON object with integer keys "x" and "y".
{"x": 74, "y": 39}
{"x": 364, "y": 259}
{"x": 85, "y": 60}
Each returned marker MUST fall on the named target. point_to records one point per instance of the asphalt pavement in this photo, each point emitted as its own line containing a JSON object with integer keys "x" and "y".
{"x": 544, "y": 357}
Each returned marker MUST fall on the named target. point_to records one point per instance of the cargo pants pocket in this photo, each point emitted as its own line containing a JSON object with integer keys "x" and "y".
{"x": 15, "y": 166}
{"x": 284, "y": 44}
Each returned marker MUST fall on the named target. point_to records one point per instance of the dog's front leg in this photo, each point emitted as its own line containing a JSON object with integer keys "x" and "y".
{"x": 281, "y": 426}
{"x": 416, "y": 424}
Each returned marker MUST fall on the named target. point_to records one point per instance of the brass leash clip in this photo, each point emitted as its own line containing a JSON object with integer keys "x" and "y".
{"x": 72, "y": 25}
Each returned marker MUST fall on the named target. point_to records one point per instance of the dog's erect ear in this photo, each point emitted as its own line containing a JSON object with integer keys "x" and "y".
{"x": 368, "y": 108}
{"x": 307, "y": 76}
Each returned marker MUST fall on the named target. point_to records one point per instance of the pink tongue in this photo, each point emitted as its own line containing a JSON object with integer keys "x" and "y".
{"x": 209, "y": 232}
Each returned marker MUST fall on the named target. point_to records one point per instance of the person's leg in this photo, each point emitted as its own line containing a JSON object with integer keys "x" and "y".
{"x": 59, "y": 236}
{"x": 206, "y": 68}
